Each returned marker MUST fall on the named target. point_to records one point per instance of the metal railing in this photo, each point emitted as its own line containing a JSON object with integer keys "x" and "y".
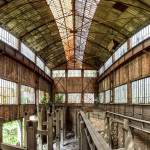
{"x": 132, "y": 121}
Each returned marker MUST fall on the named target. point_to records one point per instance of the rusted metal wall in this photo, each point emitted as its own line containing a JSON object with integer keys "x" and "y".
{"x": 15, "y": 71}
{"x": 135, "y": 69}
{"x": 12, "y": 70}
{"x": 14, "y": 112}
{"x": 134, "y": 65}
{"x": 131, "y": 70}
{"x": 75, "y": 85}
{"x": 104, "y": 84}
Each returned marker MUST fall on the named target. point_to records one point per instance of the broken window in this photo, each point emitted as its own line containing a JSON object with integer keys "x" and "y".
{"x": 101, "y": 70}
{"x": 101, "y": 97}
{"x": 8, "y": 38}
{"x": 88, "y": 97}
{"x": 43, "y": 97}
{"x": 58, "y": 73}
{"x": 27, "y": 52}
{"x": 90, "y": 73}
{"x": 40, "y": 63}
{"x": 60, "y": 97}
{"x": 141, "y": 91}
{"x": 74, "y": 98}
{"x": 11, "y": 133}
{"x": 134, "y": 40}
{"x": 140, "y": 36}
{"x": 108, "y": 63}
{"x": 74, "y": 73}
{"x": 8, "y": 92}
{"x": 121, "y": 51}
{"x": 108, "y": 96}
{"x": 27, "y": 95}
{"x": 47, "y": 71}
{"x": 121, "y": 94}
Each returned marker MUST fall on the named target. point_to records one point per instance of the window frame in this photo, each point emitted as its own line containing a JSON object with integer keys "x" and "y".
{"x": 74, "y": 73}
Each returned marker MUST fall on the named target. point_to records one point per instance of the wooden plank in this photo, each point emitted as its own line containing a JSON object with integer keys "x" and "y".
{"x": 95, "y": 136}
{"x": 50, "y": 131}
{"x": 31, "y": 135}
{"x": 11, "y": 147}
{"x": 43, "y": 132}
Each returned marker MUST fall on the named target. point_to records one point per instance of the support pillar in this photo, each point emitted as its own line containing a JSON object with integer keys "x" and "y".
{"x": 64, "y": 123}
{"x": 129, "y": 143}
{"x": 20, "y": 135}
{"x": 75, "y": 123}
{"x": 50, "y": 131}
{"x": 107, "y": 134}
{"x": 31, "y": 135}
{"x": 112, "y": 76}
{"x": 57, "y": 130}
{"x": 82, "y": 93}
{"x": 1, "y": 133}
{"x": 114, "y": 135}
{"x": 78, "y": 126}
{"x": 129, "y": 92}
{"x": 84, "y": 145}
{"x": 66, "y": 80}
{"x": 39, "y": 113}
{"x": 26, "y": 117}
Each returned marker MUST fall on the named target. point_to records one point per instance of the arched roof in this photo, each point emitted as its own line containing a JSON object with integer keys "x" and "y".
{"x": 80, "y": 31}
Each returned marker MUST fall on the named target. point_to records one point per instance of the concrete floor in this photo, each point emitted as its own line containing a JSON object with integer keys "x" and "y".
{"x": 70, "y": 144}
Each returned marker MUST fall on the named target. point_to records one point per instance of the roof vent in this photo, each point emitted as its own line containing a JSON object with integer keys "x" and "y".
{"x": 120, "y": 6}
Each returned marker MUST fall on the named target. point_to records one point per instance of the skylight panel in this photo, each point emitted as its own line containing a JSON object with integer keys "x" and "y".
{"x": 85, "y": 11}
{"x": 27, "y": 52}
{"x": 62, "y": 9}
{"x": 73, "y": 37}
{"x": 39, "y": 63}
{"x": 8, "y": 38}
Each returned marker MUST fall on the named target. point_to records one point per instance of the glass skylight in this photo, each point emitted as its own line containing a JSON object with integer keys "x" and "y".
{"x": 62, "y": 11}
{"x": 85, "y": 10}
{"x": 27, "y": 52}
{"x": 73, "y": 21}
{"x": 39, "y": 63}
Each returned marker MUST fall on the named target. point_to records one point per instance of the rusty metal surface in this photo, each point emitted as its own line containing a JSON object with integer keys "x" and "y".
{"x": 133, "y": 55}
{"x": 18, "y": 59}
{"x": 114, "y": 22}
{"x": 14, "y": 112}
{"x": 33, "y": 23}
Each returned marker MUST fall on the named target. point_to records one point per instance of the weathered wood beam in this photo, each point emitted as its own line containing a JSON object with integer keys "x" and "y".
{"x": 50, "y": 131}
{"x": 16, "y": 55}
{"x": 1, "y": 132}
{"x": 57, "y": 129}
{"x": 31, "y": 135}
{"x": 11, "y": 147}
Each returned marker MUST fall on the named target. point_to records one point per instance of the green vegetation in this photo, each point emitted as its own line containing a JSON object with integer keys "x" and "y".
{"x": 10, "y": 132}
{"x": 59, "y": 98}
{"x": 43, "y": 100}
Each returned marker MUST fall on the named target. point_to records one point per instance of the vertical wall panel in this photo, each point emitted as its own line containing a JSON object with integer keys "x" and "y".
{"x": 145, "y": 64}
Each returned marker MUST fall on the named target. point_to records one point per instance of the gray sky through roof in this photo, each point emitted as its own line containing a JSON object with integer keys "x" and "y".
{"x": 73, "y": 18}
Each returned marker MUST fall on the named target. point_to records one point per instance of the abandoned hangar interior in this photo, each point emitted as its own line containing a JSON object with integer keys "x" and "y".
{"x": 75, "y": 74}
